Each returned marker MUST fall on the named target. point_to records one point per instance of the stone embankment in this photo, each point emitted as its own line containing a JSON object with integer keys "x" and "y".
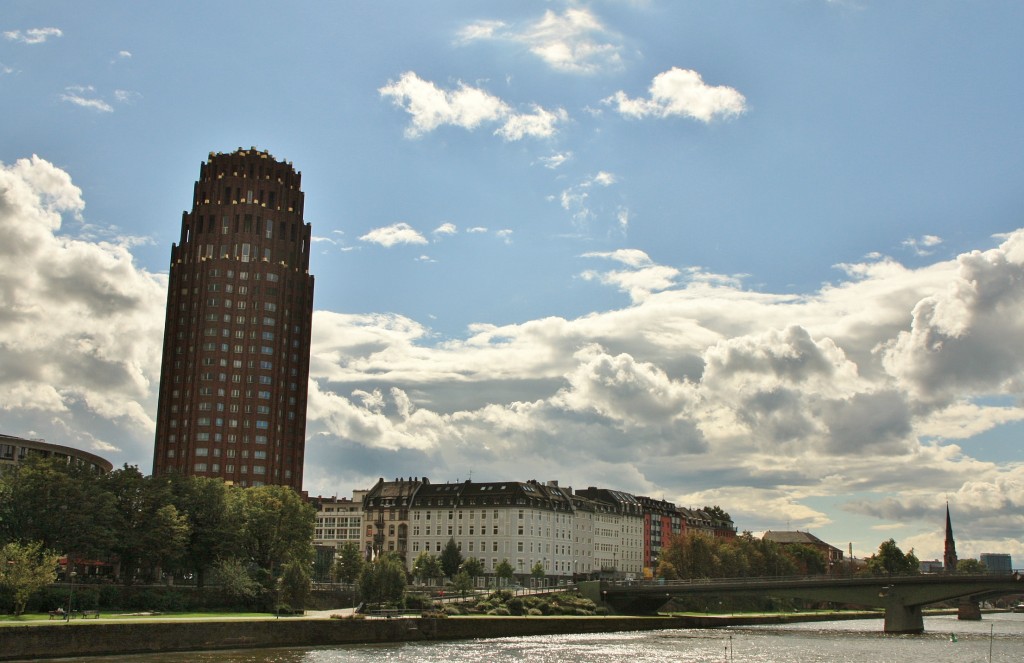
{"x": 23, "y": 642}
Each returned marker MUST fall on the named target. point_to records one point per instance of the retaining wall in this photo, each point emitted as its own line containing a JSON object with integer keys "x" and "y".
{"x": 82, "y": 638}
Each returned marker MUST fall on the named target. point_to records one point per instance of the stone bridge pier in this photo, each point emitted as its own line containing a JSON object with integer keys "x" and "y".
{"x": 901, "y": 616}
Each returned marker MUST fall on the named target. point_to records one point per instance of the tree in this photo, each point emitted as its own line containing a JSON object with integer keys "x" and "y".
{"x": 969, "y": 566}
{"x": 63, "y": 505}
{"x": 212, "y": 533}
{"x": 383, "y": 581}
{"x": 24, "y": 569}
{"x": 504, "y": 571}
{"x": 537, "y": 571}
{"x": 234, "y": 580}
{"x": 293, "y": 586}
{"x": 151, "y": 533}
{"x": 349, "y": 563}
{"x": 809, "y": 560}
{"x": 426, "y": 567}
{"x": 890, "y": 560}
{"x": 473, "y": 567}
{"x": 717, "y": 513}
{"x": 276, "y": 526}
{"x": 462, "y": 582}
{"x": 451, "y": 558}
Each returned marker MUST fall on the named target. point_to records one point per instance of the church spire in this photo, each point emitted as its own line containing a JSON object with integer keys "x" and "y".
{"x": 949, "y": 553}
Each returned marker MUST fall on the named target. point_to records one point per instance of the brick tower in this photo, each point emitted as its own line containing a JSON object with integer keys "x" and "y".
{"x": 233, "y": 380}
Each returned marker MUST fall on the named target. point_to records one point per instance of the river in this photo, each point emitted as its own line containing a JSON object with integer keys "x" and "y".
{"x": 1000, "y": 636}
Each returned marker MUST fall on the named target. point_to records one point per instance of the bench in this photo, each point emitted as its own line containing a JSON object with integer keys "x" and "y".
{"x": 57, "y": 613}
{"x": 89, "y": 613}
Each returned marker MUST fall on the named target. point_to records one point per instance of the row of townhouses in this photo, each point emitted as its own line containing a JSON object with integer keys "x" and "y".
{"x": 595, "y": 532}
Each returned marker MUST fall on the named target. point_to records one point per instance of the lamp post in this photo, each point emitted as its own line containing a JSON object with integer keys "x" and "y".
{"x": 71, "y": 592}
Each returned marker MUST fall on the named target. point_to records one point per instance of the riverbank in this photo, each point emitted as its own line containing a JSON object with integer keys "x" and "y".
{"x": 97, "y": 638}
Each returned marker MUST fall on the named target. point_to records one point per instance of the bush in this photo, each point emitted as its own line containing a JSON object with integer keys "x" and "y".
{"x": 515, "y": 605}
{"x": 500, "y": 611}
{"x": 602, "y": 611}
{"x": 534, "y": 612}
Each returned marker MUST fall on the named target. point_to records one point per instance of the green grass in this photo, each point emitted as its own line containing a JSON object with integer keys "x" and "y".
{"x": 34, "y": 618}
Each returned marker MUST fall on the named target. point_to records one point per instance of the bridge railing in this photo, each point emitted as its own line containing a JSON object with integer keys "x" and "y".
{"x": 688, "y": 582}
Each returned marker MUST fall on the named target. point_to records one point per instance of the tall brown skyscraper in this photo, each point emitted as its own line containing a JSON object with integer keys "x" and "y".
{"x": 236, "y": 338}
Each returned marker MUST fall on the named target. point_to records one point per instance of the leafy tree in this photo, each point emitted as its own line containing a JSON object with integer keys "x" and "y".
{"x": 473, "y": 567}
{"x": 717, "y": 513}
{"x": 150, "y": 532}
{"x": 234, "y": 580}
{"x": 451, "y": 558}
{"x": 697, "y": 555}
{"x": 383, "y": 581}
{"x": 349, "y": 563}
{"x": 462, "y": 582}
{"x": 212, "y": 533}
{"x": 426, "y": 567}
{"x": 809, "y": 560}
{"x": 890, "y": 560}
{"x": 276, "y": 526}
{"x": 538, "y": 571}
{"x": 969, "y": 566}
{"x": 293, "y": 586}
{"x": 504, "y": 571}
{"x": 63, "y": 505}
{"x": 24, "y": 569}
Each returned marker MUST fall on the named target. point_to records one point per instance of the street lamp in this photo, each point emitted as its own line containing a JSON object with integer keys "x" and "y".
{"x": 71, "y": 592}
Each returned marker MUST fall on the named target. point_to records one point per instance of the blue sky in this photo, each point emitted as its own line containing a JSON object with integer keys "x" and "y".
{"x": 766, "y": 255}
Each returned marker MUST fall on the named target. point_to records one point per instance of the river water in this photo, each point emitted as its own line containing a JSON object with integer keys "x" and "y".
{"x": 999, "y": 638}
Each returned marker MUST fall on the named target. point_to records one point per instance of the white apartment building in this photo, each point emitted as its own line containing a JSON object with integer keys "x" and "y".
{"x": 525, "y": 523}
{"x": 618, "y": 532}
{"x": 339, "y": 520}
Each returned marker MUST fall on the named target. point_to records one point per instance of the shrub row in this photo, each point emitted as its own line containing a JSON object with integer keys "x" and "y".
{"x": 132, "y": 598}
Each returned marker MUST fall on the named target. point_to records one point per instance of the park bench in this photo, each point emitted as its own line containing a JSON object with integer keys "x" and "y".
{"x": 89, "y": 613}
{"x": 57, "y": 613}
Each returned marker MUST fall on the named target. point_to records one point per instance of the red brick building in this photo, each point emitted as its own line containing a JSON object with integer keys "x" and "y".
{"x": 233, "y": 381}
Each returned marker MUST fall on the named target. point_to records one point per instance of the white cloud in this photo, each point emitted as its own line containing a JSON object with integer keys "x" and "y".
{"x": 80, "y": 323}
{"x": 476, "y": 230}
{"x": 466, "y": 107}
{"x": 698, "y": 390}
{"x": 576, "y": 199}
{"x": 33, "y": 35}
{"x": 724, "y": 395}
{"x": 398, "y": 233}
{"x": 555, "y": 160}
{"x": 505, "y": 234}
{"x": 77, "y": 95}
{"x": 574, "y": 41}
{"x": 964, "y": 340}
{"x": 922, "y": 246}
{"x": 682, "y": 92}
{"x": 538, "y": 124}
{"x": 446, "y": 228}
{"x": 125, "y": 55}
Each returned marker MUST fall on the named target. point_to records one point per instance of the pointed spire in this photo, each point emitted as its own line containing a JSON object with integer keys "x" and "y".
{"x": 949, "y": 553}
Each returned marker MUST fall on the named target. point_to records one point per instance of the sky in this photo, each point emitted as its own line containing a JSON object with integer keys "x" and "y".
{"x": 764, "y": 255}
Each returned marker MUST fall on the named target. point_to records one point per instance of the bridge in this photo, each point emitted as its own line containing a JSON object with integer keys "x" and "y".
{"x": 902, "y": 597}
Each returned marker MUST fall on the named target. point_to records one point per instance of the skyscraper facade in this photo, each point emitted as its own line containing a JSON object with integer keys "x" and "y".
{"x": 233, "y": 380}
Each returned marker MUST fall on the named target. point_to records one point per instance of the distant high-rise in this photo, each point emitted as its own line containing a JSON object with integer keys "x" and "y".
{"x": 232, "y": 400}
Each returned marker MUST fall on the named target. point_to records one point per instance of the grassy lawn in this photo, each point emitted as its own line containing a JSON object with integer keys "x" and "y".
{"x": 43, "y": 618}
